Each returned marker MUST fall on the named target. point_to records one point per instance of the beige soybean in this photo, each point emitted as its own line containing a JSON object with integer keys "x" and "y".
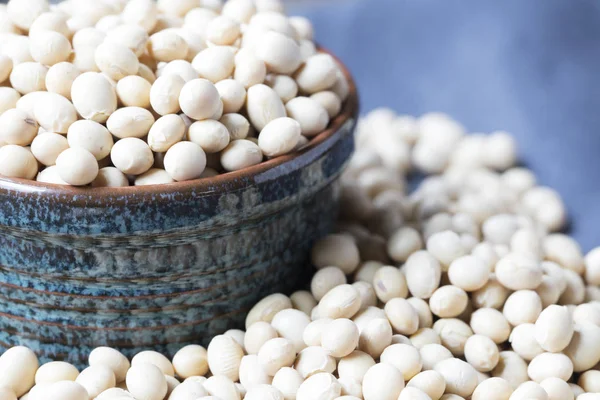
{"x": 287, "y": 380}
{"x": 185, "y": 161}
{"x": 167, "y": 45}
{"x": 590, "y": 381}
{"x": 266, "y": 308}
{"x": 232, "y": 93}
{"x": 403, "y": 243}
{"x": 290, "y": 324}
{"x": 165, "y": 132}
{"x": 237, "y": 125}
{"x": 77, "y": 166}
{"x": 523, "y": 342}
{"x": 367, "y": 294}
{"x": 65, "y": 390}
{"x": 511, "y": 368}
{"x": 320, "y": 386}
{"x": 330, "y": 101}
{"x": 130, "y": 122}
{"x": 522, "y": 307}
{"x": 448, "y": 301}
{"x": 518, "y": 271}
{"x": 191, "y": 360}
{"x": 405, "y": 358}
{"x": 430, "y": 382}
{"x": 283, "y": 85}
{"x": 492, "y": 389}
{"x": 454, "y": 334}
{"x": 582, "y": 349}
{"x": 215, "y": 63}
{"x": 154, "y": 176}
{"x": 336, "y": 250}
{"x": 311, "y": 115}
{"x": 155, "y": 358}
{"x": 60, "y": 78}
{"x": 557, "y": 389}
{"x": 252, "y": 373}
{"x": 318, "y": 73}
{"x": 91, "y": 136}
{"x": 134, "y": 91}
{"x": 491, "y": 323}
{"x": 212, "y": 136}
{"x": 382, "y": 382}
{"x": 355, "y": 365}
{"x": 275, "y": 354}
{"x": 199, "y": 99}
{"x": 303, "y": 300}
{"x": 279, "y": 137}
{"x": 8, "y": 99}
{"x": 221, "y": 387}
{"x": 240, "y": 154}
{"x": 249, "y": 70}
{"x": 340, "y": 302}
{"x": 116, "y": 60}
{"x": 460, "y": 377}
{"x": 422, "y": 308}
{"x": 482, "y": 353}
{"x": 263, "y": 106}
{"x": 17, "y": 127}
{"x": 181, "y": 68}
{"x": 110, "y": 177}
{"x": 446, "y": 247}
{"x": 565, "y": 251}
{"x": 281, "y": 54}
{"x": 111, "y": 358}
{"x": 468, "y": 273}
{"x": 313, "y": 360}
{"x": 54, "y": 113}
{"x": 574, "y": 292}
{"x": 55, "y": 371}
{"x": 548, "y": 365}
{"x": 375, "y": 336}
{"x": 28, "y": 77}
{"x": 96, "y": 379}
{"x": 529, "y": 390}
{"x": 187, "y": 390}
{"x": 592, "y": 267}
{"x": 49, "y": 47}
{"x": 256, "y": 335}
{"x": 146, "y": 381}
{"x": 340, "y": 337}
{"x": 6, "y": 66}
{"x": 389, "y": 283}
{"x": 224, "y": 355}
{"x": 433, "y": 353}
{"x": 424, "y": 336}
{"x": 223, "y": 30}
{"x": 554, "y": 328}
{"x": 131, "y": 36}
{"x": 492, "y": 295}
{"x": 165, "y": 92}
{"x": 132, "y": 156}
{"x": 402, "y": 316}
{"x": 99, "y": 106}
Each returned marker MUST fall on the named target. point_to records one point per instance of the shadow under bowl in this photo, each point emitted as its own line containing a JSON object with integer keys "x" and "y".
{"x": 167, "y": 265}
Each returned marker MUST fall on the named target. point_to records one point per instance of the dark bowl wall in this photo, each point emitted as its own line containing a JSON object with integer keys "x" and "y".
{"x": 528, "y": 67}
{"x": 164, "y": 266}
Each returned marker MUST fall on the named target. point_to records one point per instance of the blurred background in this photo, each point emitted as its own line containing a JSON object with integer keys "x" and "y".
{"x": 528, "y": 67}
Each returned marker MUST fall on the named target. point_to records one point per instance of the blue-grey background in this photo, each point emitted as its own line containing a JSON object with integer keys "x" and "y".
{"x": 531, "y": 67}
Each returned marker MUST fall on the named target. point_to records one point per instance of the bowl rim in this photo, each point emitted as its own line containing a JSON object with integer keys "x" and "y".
{"x": 220, "y": 183}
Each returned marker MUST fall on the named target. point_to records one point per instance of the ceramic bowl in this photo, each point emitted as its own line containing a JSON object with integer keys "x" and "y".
{"x": 161, "y": 266}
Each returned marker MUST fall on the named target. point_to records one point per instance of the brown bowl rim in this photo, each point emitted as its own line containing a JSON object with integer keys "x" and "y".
{"x": 220, "y": 183}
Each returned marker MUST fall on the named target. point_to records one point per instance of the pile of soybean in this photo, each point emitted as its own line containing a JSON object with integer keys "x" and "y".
{"x": 461, "y": 289}
{"x": 117, "y": 93}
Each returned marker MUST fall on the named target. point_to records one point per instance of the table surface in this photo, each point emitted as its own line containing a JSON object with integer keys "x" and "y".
{"x": 529, "y": 67}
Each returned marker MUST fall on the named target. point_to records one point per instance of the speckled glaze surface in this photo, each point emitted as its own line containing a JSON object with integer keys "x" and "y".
{"x": 161, "y": 266}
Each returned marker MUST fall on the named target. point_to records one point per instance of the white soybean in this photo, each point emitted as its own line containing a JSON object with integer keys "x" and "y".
{"x": 382, "y": 382}
{"x": 287, "y": 381}
{"x": 110, "y": 177}
{"x": 130, "y": 122}
{"x": 187, "y": 390}
{"x": 290, "y": 324}
{"x": 167, "y": 45}
{"x": 582, "y": 349}
{"x": 257, "y": 334}
{"x": 303, "y": 300}
{"x": 237, "y": 125}
{"x": 492, "y": 389}
{"x": 453, "y": 333}
{"x": 446, "y": 247}
{"x": 403, "y": 243}
{"x": 460, "y": 377}
{"x": 134, "y": 91}
{"x": 6, "y": 66}
{"x": 116, "y": 60}
{"x": 375, "y": 336}
{"x": 337, "y": 250}
{"x": 529, "y": 390}
{"x": 557, "y": 389}
{"x": 548, "y": 365}
{"x": 232, "y": 93}
{"x": 165, "y": 132}
{"x": 468, "y": 273}
{"x": 340, "y": 302}
{"x": 263, "y": 106}
{"x": 65, "y": 390}
{"x": 212, "y": 136}
{"x": 281, "y": 54}
{"x": 17, "y": 127}
{"x": 132, "y": 156}
{"x": 491, "y": 323}
{"x": 482, "y": 353}
{"x": 96, "y": 379}
{"x": 275, "y": 354}
{"x": 318, "y": 73}
{"x": 330, "y": 101}
{"x": 554, "y": 328}
{"x": 165, "y": 92}
{"x": 313, "y": 360}
{"x": 8, "y": 99}
{"x": 448, "y": 301}
{"x": 340, "y": 337}
{"x": 146, "y": 381}
{"x": 101, "y": 104}
{"x": 521, "y": 307}
{"x": 91, "y": 136}
{"x": 224, "y": 355}
{"x": 111, "y": 358}
{"x": 430, "y": 382}
{"x": 519, "y": 271}
{"x": 77, "y": 166}
{"x": 185, "y": 161}
{"x": 28, "y": 77}
{"x": 523, "y": 342}
{"x": 249, "y": 70}
{"x": 49, "y": 47}
{"x": 215, "y": 63}
{"x": 60, "y": 78}
{"x": 240, "y": 154}
{"x": 279, "y": 136}
{"x": 266, "y": 309}
{"x": 512, "y": 368}
{"x": 252, "y": 373}
{"x": 402, "y": 316}
{"x": 191, "y": 360}
{"x": 221, "y": 387}
{"x": 154, "y": 176}
{"x": 199, "y": 99}
{"x": 405, "y": 358}
{"x": 311, "y": 115}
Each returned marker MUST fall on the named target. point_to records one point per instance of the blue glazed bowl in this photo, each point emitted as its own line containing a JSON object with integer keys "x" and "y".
{"x": 161, "y": 266}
